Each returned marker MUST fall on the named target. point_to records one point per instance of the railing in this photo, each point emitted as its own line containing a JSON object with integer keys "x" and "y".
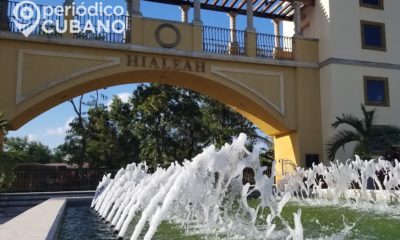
{"x": 56, "y": 180}
{"x": 219, "y": 40}
{"x": 105, "y": 36}
{"x": 8, "y": 22}
{"x": 288, "y": 166}
{"x": 272, "y": 46}
{"x": 215, "y": 40}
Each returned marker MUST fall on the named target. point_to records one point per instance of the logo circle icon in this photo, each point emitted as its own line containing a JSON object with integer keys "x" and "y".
{"x": 164, "y": 43}
{"x": 26, "y": 17}
{"x": 27, "y": 13}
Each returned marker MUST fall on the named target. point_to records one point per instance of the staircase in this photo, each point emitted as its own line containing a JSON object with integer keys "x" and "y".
{"x": 13, "y": 204}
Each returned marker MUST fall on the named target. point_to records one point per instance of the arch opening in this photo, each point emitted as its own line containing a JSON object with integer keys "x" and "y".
{"x": 237, "y": 99}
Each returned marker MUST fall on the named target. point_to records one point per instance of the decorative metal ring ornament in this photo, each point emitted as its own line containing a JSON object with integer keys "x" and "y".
{"x": 165, "y": 44}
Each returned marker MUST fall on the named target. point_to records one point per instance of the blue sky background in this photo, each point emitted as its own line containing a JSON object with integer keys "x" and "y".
{"x": 50, "y": 127}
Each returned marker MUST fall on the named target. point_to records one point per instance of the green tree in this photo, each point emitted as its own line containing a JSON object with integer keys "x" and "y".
{"x": 221, "y": 123}
{"x": 20, "y": 150}
{"x": 363, "y": 132}
{"x": 76, "y": 140}
{"x": 159, "y": 124}
{"x": 174, "y": 123}
{"x": 152, "y": 107}
{"x": 3, "y": 124}
{"x": 3, "y": 130}
{"x": 122, "y": 117}
{"x": 103, "y": 146}
{"x": 6, "y": 163}
{"x": 74, "y": 147}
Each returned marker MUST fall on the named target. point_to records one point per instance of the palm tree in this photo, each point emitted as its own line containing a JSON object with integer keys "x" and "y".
{"x": 363, "y": 132}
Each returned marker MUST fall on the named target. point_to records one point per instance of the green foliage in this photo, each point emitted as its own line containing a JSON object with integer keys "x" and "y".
{"x": 364, "y": 132}
{"x": 20, "y": 150}
{"x": 3, "y": 124}
{"x": 7, "y": 165}
{"x": 159, "y": 124}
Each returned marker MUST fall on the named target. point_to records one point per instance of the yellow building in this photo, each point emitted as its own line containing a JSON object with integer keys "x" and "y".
{"x": 272, "y": 80}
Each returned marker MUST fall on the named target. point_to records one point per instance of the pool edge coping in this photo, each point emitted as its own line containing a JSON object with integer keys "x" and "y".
{"x": 39, "y": 222}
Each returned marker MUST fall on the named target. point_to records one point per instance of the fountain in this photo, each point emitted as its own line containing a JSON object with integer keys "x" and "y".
{"x": 206, "y": 196}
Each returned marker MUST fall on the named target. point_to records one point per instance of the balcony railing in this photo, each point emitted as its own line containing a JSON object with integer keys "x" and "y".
{"x": 105, "y": 36}
{"x": 214, "y": 39}
{"x": 8, "y": 22}
{"x": 219, "y": 40}
{"x": 272, "y": 46}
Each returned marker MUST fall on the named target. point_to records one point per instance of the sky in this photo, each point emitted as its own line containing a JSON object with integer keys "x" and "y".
{"x": 50, "y": 127}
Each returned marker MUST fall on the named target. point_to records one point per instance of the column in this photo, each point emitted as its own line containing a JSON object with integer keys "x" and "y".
{"x": 134, "y": 35}
{"x": 249, "y": 14}
{"x": 197, "y": 27}
{"x": 68, "y": 16}
{"x": 250, "y": 35}
{"x": 278, "y": 51}
{"x": 184, "y": 13}
{"x": 233, "y": 43}
{"x": 196, "y": 13}
{"x": 68, "y": 2}
{"x": 4, "y": 21}
{"x": 297, "y": 18}
{"x": 136, "y": 8}
{"x": 277, "y": 32}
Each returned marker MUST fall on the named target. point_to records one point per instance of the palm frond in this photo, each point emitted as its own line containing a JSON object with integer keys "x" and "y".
{"x": 340, "y": 139}
{"x": 351, "y": 121}
{"x": 369, "y": 117}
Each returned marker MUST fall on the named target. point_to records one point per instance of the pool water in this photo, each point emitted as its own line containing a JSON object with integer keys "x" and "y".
{"x": 319, "y": 222}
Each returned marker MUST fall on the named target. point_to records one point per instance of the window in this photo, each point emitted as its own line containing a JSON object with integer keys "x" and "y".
{"x": 376, "y": 91}
{"x": 372, "y": 3}
{"x": 312, "y": 159}
{"x": 373, "y": 36}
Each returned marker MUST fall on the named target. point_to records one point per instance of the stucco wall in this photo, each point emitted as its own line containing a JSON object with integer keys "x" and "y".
{"x": 336, "y": 23}
{"x": 342, "y": 91}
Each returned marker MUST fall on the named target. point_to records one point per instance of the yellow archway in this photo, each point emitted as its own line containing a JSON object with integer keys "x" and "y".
{"x": 281, "y": 99}
{"x": 236, "y": 100}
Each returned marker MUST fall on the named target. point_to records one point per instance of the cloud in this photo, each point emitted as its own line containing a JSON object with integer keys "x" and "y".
{"x": 32, "y": 137}
{"x": 123, "y": 96}
{"x": 59, "y": 131}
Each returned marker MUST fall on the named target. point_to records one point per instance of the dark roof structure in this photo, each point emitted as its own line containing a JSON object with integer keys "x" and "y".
{"x": 273, "y": 9}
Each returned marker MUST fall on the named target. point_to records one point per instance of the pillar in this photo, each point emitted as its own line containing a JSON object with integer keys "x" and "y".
{"x": 136, "y": 11}
{"x": 233, "y": 44}
{"x": 196, "y": 12}
{"x": 277, "y": 33}
{"x": 3, "y": 15}
{"x": 251, "y": 35}
{"x": 184, "y": 13}
{"x": 133, "y": 9}
{"x": 68, "y": 16}
{"x": 135, "y": 35}
{"x": 278, "y": 51}
{"x": 197, "y": 27}
{"x": 250, "y": 17}
{"x": 297, "y": 18}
